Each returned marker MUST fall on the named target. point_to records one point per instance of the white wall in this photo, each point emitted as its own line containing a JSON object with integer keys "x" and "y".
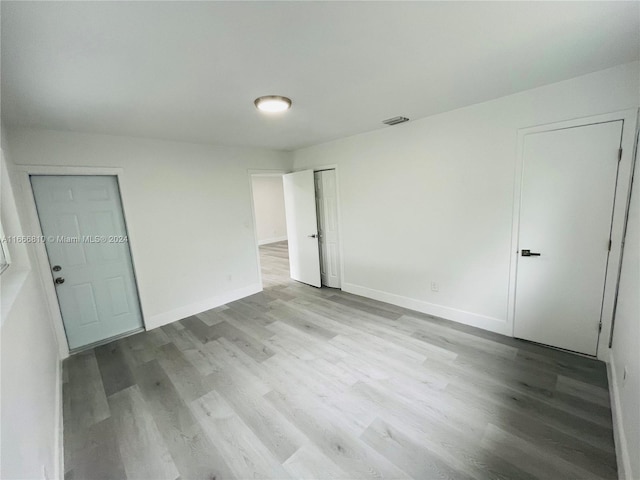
{"x": 31, "y": 381}
{"x": 268, "y": 201}
{"x": 188, "y": 211}
{"x": 625, "y": 351}
{"x": 432, "y": 200}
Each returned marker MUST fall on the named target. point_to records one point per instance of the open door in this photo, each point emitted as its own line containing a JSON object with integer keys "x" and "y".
{"x": 302, "y": 227}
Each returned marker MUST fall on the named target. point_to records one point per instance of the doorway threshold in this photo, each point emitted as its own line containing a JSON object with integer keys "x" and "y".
{"x": 106, "y": 340}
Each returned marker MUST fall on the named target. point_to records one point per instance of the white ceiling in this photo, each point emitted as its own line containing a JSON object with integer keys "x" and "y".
{"x": 191, "y": 70}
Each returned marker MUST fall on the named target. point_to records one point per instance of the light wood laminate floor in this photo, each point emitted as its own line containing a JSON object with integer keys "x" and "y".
{"x": 299, "y": 382}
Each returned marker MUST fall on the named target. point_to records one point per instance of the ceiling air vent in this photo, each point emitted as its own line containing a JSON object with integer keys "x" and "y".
{"x": 395, "y": 120}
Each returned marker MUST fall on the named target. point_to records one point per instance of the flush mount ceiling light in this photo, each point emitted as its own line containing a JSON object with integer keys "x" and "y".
{"x": 272, "y": 103}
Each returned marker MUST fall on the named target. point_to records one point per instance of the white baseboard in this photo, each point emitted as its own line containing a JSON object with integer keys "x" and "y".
{"x": 460, "y": 316}
{"x": 267, "y": 241}
{"x": 59, "y": 422}
{"x": 199, "y": 307}
{"x": 622, "y": 452}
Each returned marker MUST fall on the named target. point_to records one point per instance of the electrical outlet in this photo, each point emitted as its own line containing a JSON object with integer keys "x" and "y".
{"x": 435, "y": 287}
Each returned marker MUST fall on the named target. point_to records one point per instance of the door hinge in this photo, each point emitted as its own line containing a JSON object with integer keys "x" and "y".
{"x": 609, "y": 249}
{"x": 599, "y": 326}
{"x": 620, "y": 154}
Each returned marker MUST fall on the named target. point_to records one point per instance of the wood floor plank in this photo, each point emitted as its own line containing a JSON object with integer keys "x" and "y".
{"x": 526, "y": 380}
{"x": 593, "y": 393}
{"x": 243, "y": 451}
{"x": 449, "y": 447}
{"x": 181, "y": 337}
{"x": 310, "y": 463}
{"x": 87, "y": 400}
{"x": 365, "y": 307}
{"x": 304, "y": 324}
{"x": 315, "y": 383}
{"x": 320, "y": 388}
{"x": 115, "y": 372}
{"x": 333, "y": 441}
{"x": 386, "y": 361}
{"x": 266, "y": 423}
{"x": 569, "y": 445}
{"x": 219, "y": 356}
{"x": 141, "y": 348}
{"x": 389, "y": 330}
{"x": 539, "y": 462}
{"x": 199, "y": 329}
{"x": 417, "y": 461}
{"x": 252, "y": 309}
{"x": 247, "y": 325}
{"x": 82, "y": 447}
{"x": 311, "y": 345}
{"x": 251, "y": 346}
{"x": 99, "y": 457}
{"x": 211, "y": 317}
{"x": 461, "y": 342}
{"x": 192, "y": 452}
{"x": 142, "y": 448}
{"x": 590, "y": 433}
{"x": 588, "y": 371}
{"x": 185, "y": 377}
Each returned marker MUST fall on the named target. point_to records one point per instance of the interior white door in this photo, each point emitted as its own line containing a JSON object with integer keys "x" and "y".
{"x": 87, "y": 244}
{"x": 568, "y": 187}
{"x": 302, "y": 227}
{"x": 327, "y": 207}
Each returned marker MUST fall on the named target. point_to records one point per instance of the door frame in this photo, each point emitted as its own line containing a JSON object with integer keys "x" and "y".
{"x": 40, "y": 257}
{"x": 251, "y": 174}
{"x": 623, "y": 189}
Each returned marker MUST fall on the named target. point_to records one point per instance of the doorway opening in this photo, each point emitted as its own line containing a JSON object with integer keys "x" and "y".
{"x": 311, "y": 208}
{"x": 297, "y": 228}
{"x": 271, "y": 228}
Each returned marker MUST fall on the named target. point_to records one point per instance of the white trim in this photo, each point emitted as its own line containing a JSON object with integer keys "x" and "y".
{"x": 199, "y": 307}
{"x": 256, "y": 173}
{"x": 622, "y": 450}
{"x": 629, "y": 118}
{"x": 262, "y": 172}
{"x": 461, "y": 316}
{"x": 267, "y": 241}
{"x": 66, "y": 170}
{"x": 30, "y": 214}
{"x": 59, "y": 422}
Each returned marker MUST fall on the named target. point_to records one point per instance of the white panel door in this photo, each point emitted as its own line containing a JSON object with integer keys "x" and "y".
{"x": 568, "y": 187}
{"x": 87, "y": 244}
{"x": 327, "y": 206}
{"x": 302, "y": 227}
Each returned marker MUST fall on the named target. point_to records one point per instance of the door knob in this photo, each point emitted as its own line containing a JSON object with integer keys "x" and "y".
{"x": 59, "y": 281}
{"x": 529, "y": 253}
{"x": 315, "y": 235}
